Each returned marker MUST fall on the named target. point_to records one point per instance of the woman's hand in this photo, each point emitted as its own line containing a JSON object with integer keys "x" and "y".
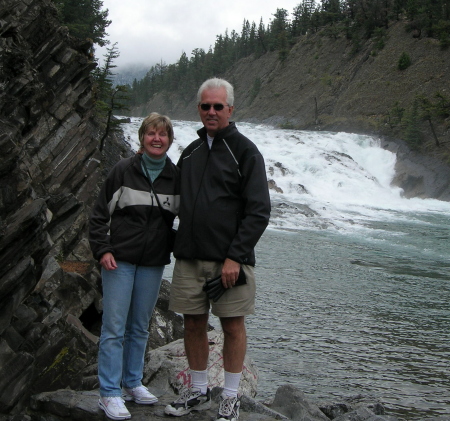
{"x": 108, "y": 262}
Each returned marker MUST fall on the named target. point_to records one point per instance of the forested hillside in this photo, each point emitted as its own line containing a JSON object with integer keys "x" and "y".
{"x": 370, "y": 66}
{"x": 366, "y": 66}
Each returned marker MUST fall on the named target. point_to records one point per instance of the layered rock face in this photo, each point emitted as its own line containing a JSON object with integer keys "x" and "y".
{"x": 50, "y": 169}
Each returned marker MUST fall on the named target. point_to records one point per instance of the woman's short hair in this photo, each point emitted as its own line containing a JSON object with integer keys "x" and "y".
{"x": 216, "y": 83}
{"x": 156, "y": 121}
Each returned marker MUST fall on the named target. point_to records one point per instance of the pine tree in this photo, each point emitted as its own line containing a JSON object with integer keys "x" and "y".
{"x": 279, "y": 34}
{"x": 110, "y": 98}
{"x": 85, "y": 19}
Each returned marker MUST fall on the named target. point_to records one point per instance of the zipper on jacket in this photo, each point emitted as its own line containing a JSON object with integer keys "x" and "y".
{"x": 198, "y": 192}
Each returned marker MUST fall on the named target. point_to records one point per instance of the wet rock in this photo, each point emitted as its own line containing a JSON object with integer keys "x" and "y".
{"x": 273, "y": 186}
{"x": 352, "y": 403}
{"x": 419, "y": 175}
{"x": 293, "y": 403}
{"x": 363, "y": 414}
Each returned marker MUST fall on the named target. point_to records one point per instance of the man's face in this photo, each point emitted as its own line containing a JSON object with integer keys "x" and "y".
{"x": 214, "y": 120}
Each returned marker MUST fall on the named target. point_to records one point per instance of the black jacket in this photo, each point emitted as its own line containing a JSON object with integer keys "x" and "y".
{"x": 225, "y": 203}
{"x": 126, "y": 219}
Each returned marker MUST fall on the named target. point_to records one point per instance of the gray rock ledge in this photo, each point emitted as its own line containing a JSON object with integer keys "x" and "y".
{"x": 289, "y": 404}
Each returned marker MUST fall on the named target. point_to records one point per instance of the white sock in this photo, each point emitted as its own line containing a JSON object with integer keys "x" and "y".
{"x": 200, "y": 380}
{"x": 231, "y": 386}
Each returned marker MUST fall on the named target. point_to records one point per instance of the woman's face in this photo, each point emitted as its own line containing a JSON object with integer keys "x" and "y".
{"x": 155, "y": 142}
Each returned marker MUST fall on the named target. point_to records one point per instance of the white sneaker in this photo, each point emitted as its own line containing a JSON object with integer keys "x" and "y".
{"x": 228, "y": 408}
{"x": 190, "y": 399}
{"x": 114, "y": 407}
{"x": 139, "y": 394}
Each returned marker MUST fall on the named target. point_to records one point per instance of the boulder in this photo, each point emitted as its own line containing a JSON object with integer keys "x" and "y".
{"x": 293, "y": 403}
{"x": 167, "y": 367}
{"x": 351, "y": 404}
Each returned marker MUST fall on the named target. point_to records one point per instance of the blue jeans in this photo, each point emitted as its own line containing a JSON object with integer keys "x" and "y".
{"x": 130, "y": 293}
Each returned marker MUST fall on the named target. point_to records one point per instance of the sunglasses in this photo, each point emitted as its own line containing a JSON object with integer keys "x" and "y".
{"x": 217, "y": 107}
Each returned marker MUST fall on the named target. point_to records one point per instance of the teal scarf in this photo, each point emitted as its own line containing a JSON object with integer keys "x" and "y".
{"x": 154, "y": 166}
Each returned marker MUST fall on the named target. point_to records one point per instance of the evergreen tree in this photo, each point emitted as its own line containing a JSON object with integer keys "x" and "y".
{"x": 110, "y": 98}
{"x": 244, "y": 48}
{"x": 253, "y": 39}
{"x": 262, "y": 44}
{"x": 331, "y": 11}
{"x": 197, "y": 65}
{"x": 437, "y": 110}
{"x": 85, "y": 19}
{"x": 280, "y": 33}
{"x": 302, "y": 15}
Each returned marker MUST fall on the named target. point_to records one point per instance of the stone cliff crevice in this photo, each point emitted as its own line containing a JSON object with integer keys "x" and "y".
{"x": 50, "y": 170}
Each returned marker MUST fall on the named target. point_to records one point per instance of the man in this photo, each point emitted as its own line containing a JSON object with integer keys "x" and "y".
{"x": 224, "y": 210}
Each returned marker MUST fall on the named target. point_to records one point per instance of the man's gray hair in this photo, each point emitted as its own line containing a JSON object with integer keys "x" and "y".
{"x": 216, "y": 83}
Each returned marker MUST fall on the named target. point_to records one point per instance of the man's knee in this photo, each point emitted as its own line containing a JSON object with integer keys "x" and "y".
{"x": 195, "y": 322}
{"x": 233, "y": 326}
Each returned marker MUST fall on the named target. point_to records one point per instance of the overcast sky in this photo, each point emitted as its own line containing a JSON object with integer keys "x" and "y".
{"x": 150, "y": 31}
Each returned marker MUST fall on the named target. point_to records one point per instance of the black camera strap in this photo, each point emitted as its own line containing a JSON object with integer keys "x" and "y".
{"x": 156, "y": 195}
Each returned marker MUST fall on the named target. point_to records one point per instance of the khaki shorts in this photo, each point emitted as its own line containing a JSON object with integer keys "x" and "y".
{"x": 187, "y": 295}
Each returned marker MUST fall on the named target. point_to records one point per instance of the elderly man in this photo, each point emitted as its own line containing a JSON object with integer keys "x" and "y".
{"x": 224, "y": 210}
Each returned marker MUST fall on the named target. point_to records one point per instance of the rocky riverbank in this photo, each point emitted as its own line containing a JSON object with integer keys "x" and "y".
{"x": 289, "y": 404}
{"x": 50, "y": 293}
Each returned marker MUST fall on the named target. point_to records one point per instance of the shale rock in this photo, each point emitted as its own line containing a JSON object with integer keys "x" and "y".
{"x": 51, "y": 170}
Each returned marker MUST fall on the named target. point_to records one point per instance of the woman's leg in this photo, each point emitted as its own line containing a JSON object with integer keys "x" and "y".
{"x": 117, "y": 294}
{"x": 145, "y": 294}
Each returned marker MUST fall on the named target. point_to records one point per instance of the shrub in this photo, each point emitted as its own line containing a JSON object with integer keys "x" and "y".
{"x": 404, "y": 61}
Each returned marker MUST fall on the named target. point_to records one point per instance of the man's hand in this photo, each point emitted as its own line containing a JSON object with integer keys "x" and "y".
{"x": 230, "y": 273}
{"x": 108, "y": 262}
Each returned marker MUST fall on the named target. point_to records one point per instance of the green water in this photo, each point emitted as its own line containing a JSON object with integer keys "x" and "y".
{"x": 366, "y": 313}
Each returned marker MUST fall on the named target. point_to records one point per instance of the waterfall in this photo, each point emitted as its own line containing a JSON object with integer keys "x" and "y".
{"x": 320, "y": 180}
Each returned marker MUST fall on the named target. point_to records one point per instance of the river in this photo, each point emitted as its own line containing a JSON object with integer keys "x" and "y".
{"x": 353, "y": 279}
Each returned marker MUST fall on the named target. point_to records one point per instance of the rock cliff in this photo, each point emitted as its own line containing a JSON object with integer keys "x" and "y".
{"x": 50, "y": 168}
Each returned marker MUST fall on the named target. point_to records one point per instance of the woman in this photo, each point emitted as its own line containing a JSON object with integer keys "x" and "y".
{"x": 130, "y": 235}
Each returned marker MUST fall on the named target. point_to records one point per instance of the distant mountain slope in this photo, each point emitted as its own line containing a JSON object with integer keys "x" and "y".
{"x": 324, "y": 85}
{"x": 125, "y": 75}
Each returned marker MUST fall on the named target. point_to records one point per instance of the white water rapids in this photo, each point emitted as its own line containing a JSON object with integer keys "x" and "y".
{"x": 344, "y": 178}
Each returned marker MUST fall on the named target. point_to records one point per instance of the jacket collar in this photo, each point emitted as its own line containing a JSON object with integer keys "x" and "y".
{"x": 166, "y": 172}
{"x": 227, "y": 131}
